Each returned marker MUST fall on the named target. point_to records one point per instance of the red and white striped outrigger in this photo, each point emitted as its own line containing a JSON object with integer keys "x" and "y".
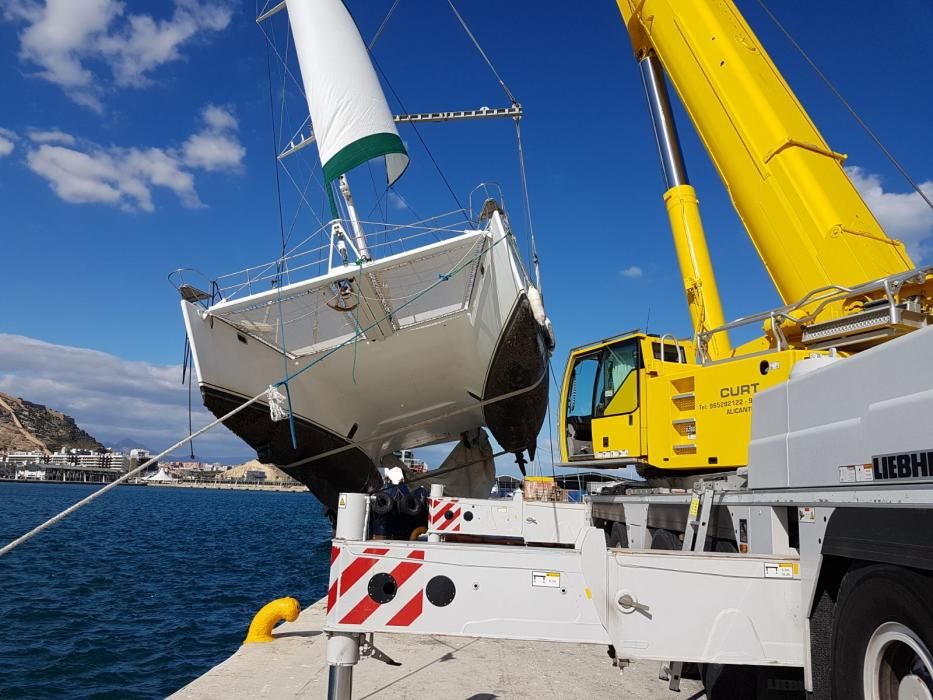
{"x": 444, "y": 515}
{"x": 438, "y": 587}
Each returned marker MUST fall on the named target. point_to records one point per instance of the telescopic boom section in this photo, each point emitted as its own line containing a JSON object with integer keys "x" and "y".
{"x": 806, "y": 219}
{"x": 684, "y": 214}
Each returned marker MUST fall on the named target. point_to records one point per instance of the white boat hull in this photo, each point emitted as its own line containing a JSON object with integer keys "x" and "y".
{"x": 424, "y": 375}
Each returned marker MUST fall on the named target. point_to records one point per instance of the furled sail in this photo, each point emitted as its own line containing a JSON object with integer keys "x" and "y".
{"x": 349, "y": 113}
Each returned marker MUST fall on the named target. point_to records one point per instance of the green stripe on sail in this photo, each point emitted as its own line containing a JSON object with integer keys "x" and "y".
{"x": 360, "y": 151}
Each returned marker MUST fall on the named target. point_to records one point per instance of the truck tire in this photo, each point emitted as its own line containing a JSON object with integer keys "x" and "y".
{"x": 883, "y": 634}
{"x": 618, "y": 536}
{"x": 665, "y": 539}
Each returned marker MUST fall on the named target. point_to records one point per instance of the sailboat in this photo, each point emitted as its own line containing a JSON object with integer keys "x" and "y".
{"x": 387, "y": 348}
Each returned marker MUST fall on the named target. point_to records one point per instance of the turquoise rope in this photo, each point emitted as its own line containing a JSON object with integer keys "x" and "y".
{"x": 356, "y": 316}
{"x": 440, "y": 280}
{"x": 284, "y": 382}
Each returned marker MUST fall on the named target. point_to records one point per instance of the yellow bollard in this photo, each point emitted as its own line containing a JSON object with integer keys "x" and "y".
{"x": 260, "y": 629}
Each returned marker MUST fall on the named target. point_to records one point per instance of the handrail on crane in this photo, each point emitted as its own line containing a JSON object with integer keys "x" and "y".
{"x": 888, "y": 287}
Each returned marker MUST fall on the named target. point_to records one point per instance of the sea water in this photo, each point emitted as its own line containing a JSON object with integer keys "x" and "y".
{"x": 146, "y": 588}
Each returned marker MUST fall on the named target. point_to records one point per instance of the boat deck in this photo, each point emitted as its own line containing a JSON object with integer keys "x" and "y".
{"x": 432, "y": 666}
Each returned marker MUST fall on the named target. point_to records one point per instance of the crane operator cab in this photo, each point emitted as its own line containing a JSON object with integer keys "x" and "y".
{"x": 603, "y": 392}
{"x": 645, "y": 400}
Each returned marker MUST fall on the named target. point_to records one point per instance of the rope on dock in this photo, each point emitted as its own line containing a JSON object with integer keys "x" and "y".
{"x": 6, "y": 549}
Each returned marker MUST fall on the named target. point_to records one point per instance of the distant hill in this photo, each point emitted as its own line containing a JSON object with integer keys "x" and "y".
{"x": 31, "y": 426}
{"x": 127, "y": 444}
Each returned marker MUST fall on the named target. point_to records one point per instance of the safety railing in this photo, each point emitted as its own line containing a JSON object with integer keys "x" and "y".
{"x": 315, "y": 255}
{"x": 884, "y": 289}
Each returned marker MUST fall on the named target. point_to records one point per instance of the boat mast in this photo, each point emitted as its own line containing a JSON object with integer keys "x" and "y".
{"x": 358, "y": 236}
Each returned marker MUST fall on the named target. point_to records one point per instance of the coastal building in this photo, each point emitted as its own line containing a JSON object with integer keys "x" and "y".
{"x": 86, "y": 466}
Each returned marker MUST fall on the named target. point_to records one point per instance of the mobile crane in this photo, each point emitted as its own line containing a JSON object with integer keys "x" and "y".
{"x": 678, "y": 408}
{"x": 781, "y": 544}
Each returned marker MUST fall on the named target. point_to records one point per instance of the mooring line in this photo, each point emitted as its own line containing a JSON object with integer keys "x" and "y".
{"x": 113, "y": 484}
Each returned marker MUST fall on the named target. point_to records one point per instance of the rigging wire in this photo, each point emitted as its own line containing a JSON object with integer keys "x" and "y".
{"x": 281, "y": 262}
{"x": 288, "y": 71}
{"x": 508, "y": 93}
{"x": 527, "y": 200}
{"x": 275, "y": 160}
{"x": 378, "y": 34}
{"x": 518, "y": 135}
{"x": 420, "y": 138}
{"x": 849, "y": 107}
{"x": 291, "y": 226}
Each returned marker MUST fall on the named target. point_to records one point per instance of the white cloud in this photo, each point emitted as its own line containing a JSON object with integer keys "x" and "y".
{"x": 7, "y": 142}
{"x": 121, "y": 177}
{"x": 632, "y": 272}
{"x": 219, "y": 119}
{"x": 78, "y": 177}
{"x": 216, "y": 147}
{"x": 85, "y": 172}
{"x": 903, "y": 215}
{"x": 52, "y": 136}
{"x": 112, "y": 398}
{"x": 66, "y": 39}
{"x": 155, "y": 166}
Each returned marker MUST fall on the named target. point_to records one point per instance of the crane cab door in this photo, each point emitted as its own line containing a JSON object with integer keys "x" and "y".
{"x": 602, "y": 416}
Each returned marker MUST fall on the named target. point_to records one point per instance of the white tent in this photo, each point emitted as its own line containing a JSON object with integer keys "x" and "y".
{"x": 160, "y": 475}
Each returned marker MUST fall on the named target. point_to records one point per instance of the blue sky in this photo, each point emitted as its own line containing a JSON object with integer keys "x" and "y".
{"x": 136, "y": 138}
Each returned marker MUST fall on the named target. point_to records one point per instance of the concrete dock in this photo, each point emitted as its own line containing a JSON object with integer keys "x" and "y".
{"x": 456, "y": 668}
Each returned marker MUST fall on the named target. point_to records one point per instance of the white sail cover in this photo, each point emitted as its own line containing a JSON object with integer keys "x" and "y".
{"x": 351, "y": 119}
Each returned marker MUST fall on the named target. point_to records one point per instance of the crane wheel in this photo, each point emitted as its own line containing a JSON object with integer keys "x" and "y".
{"x": 883, "y": 634}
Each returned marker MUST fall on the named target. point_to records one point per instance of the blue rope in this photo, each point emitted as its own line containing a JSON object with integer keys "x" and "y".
{"x": 356, "y": 317}
{"x": 284, "y": 382}
{"x": 291, "y": 417}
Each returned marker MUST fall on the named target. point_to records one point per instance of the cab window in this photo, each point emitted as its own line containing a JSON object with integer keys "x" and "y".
{"x": 580, "y": 399}
{"x": 673, "y": 352}
{"x": 582, "y": 387}
{"x": 618, "y": 379}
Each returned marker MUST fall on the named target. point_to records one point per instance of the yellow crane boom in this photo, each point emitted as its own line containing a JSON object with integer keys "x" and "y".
{"x": 806, "y": 219}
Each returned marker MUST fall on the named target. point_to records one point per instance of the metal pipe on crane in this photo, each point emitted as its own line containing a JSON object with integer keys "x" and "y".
{"x": 683, "y": 211}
